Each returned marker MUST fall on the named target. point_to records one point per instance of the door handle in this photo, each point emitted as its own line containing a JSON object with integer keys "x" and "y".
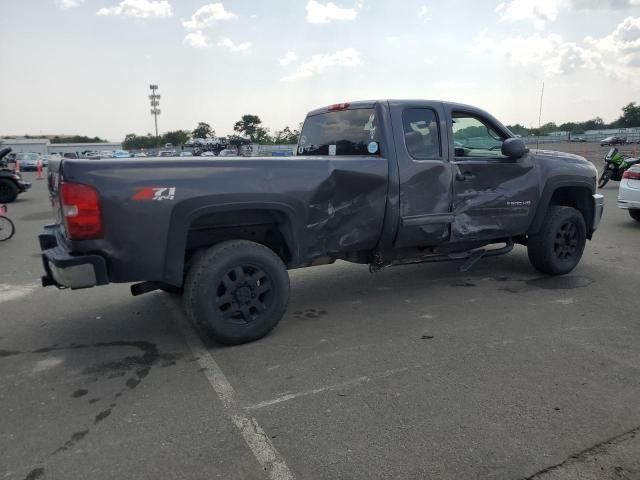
{"x": 464, "y": 176}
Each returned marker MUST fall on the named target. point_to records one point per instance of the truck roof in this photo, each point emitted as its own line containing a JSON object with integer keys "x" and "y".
{"x": 371, "y": 103}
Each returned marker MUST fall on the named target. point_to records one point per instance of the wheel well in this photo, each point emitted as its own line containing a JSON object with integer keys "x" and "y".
{"x": 261, "y": 226}
{"x": 579, "y": 198}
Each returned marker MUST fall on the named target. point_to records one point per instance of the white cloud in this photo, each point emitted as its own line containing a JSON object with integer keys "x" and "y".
{"x": 67, "y": 4}
{"x": 241, "y": 47}
{"x": 348, "y": 57}
{"x": 288, "y": 58}
{"x": 423, "y": 12}
{"x": 197, "y": 39}
{"x": 539, "y": 11}
{"x": 139, "y": 9}
{"x": 550, "y": 53}
{"x": 622, "y": 44}
{"x": 326, "y": 13}
{"x": 208, "y": 15}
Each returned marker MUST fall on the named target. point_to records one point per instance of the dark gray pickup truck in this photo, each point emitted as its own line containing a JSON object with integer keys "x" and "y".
{"x": 379, "y": 182}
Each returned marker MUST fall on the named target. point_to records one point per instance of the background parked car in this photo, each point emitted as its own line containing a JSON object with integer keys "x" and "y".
{"x": 121, "y": 154}
{"x": 613, "y": 141}
{"x": 28, "y": 161}
{"x": 92, "y": 155}
{"x": 168, "y": 153}
{"x": 578, "y": 139}
{"x": 207, "y": 154}
{"x": 140, "y": 155}
{"x": 629, "y": 192}
{"x": 106, "y": 154}
{"x": 52, "y": 156}
{"x": 186, "y": 154}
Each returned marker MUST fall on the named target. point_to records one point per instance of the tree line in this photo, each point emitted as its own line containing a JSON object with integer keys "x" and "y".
{"x": 249, "y": 129}
{"x": 630, "y": 118}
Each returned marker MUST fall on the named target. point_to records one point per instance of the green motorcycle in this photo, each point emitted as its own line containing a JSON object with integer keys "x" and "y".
{"x": 615, "y": 165}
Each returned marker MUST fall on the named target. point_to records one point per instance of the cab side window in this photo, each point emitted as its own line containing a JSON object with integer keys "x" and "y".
{"x": 473, "y": 137}
{"x": 422, "y": 133}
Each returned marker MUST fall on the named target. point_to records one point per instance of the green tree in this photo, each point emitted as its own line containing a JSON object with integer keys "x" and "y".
{"x": 519, "y": 129}
{"x": 136, "y": 142}
{"x": 250, "y": 126}
{"x": 630, "y": 116}
{"x": 286, "y": 136}
{"x": 203, "y": 130}
{"x": 176, "y": 137}
{"x": 76, "y": 139}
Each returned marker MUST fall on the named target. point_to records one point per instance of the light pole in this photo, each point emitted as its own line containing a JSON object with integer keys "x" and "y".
{"x": 154, "y": 100}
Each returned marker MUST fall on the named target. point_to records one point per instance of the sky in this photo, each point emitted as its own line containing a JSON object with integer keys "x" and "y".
{"x": 84, "y": 66}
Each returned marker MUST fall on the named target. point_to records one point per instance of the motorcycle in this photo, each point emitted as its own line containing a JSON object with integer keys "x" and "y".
{"x": 615, "y": 165}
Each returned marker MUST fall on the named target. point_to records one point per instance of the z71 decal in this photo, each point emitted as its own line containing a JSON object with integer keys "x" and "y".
{"x": 155, "y": 193}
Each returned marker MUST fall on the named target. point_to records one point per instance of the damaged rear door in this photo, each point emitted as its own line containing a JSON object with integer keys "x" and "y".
{"x": 493, "y": 196}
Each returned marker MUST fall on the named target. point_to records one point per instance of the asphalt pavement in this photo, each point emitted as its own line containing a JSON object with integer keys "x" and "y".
{"x": 414, "y": 372}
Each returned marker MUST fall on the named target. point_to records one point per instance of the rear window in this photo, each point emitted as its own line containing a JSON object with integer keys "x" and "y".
{"x": 345, "y": 132}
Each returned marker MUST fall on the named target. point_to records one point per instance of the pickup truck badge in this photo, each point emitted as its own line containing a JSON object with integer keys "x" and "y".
{"x": 155, "y": 193}
{"x": 332, "y": 150}
{"x": 372, "y": 147}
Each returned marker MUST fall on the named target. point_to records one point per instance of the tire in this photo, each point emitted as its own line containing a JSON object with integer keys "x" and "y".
{"x": 8, "y": 191}
{"x": 236, "y": 291}
{"x": 604, "y": 178}
{"x": 7, "y": 229}
{"x": 557, "y": 248}
{"x": 635, "y": 214}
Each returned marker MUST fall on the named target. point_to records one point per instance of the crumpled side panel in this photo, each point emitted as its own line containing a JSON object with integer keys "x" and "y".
{"x": 499, "y": 200}
{"x": 346, "y": 210}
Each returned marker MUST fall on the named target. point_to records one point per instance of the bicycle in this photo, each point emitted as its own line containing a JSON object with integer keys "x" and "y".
{"x": 7, "y": 228}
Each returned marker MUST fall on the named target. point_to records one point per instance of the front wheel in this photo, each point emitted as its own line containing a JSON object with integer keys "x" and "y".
{"x": 604, "y": 178}
{"x": 7, "y": 228}
{"x": 236, "y": 291}
{"x": 635, "y": 214}
{"x": 557, "y": 248}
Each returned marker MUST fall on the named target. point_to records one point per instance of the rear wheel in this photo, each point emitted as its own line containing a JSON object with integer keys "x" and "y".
{"x": 557, "y": 248}
{"x": 237, "y": 291}
{"x": 6, "y": 229}
{"x": 8, "y": 191}
{"x": 635, "y": 214}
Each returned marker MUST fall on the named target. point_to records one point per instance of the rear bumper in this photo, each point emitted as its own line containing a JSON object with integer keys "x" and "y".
{"x": 598, "y": 209}
{"x": 629, "y": 194}
{"x": 69, "y": 271}
{"x": 23, "y": 186}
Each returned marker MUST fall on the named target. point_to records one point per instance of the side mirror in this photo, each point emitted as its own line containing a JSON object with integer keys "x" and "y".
{"x": 514, "y": 148}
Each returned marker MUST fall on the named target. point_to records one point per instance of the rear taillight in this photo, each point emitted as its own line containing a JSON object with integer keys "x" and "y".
{"x": 81, "y": 211}
{"x": 632, "y": 175}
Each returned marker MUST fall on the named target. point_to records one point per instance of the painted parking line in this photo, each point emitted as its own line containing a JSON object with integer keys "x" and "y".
{"x": 255, "y": 437}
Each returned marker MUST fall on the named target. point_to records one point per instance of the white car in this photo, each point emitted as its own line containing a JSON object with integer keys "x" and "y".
{"x": 106, "y": 154}
{"x": 186, "y": 154}
{"x": 629, "y": 192}
{"x": 207, "y": 154}
{"x": 140, "y": 155}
